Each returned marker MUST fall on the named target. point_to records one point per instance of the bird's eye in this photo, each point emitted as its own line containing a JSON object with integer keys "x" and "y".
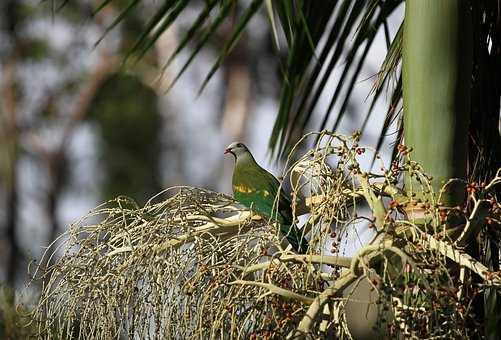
{"x": 239, "y": 145}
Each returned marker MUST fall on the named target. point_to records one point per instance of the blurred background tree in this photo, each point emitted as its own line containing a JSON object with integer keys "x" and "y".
{"x": 129, "y": 129}
{"x": 82, "y": 123}
{"x": 51, "y": 112}
{"x": 448, "y": 78}
{"x": 79, "y": 126}
{"x": 62, "y": 101}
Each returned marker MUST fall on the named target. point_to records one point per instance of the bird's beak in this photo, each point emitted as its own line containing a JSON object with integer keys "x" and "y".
{"x": 227, "y": 151}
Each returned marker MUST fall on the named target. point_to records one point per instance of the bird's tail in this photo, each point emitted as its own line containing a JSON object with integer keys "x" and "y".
{"x": 295, "y": 237}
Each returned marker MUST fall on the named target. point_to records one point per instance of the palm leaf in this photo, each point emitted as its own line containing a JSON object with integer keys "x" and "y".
{"x": 391, "y": 115}
{"x": 129, "y": 8}
{"x": 304, "y": 36}
{"x": 368, "y": 18}
{"x": 231, "y": 42}
{"x": 387, "y": 72}
{"x": 271, "y": 16}
{"x": 167, "y": 21}
{"x": 306, "y": 25}
{"x": 202, "y": 40}
{"x": 150, "y": 26}
{"x": 338, "y": 34}
{"x": 322, "y": 36}
{"x": 195, "y": 28}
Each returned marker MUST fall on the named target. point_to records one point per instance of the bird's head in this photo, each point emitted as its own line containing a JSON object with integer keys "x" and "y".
{"x": 236, "y": 149}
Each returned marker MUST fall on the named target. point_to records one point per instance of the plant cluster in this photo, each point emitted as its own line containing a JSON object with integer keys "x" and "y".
{"x": 193, "y": 263}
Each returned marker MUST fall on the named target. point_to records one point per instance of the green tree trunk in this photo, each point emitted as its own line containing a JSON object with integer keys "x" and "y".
{"x": 437, "y": 72}
{"x": 437, "y": 63}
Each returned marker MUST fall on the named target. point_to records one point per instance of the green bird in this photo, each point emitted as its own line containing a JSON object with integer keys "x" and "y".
{"x": 256, "y": 188}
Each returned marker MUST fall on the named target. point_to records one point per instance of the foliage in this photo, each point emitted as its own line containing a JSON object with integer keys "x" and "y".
{"x": 50, "y": 83}
{"x": 322, "y": 36}
{"x": 129, "y": 127}
{"x": 316, "y": 34}
{"x": 14, "y": 320}
{"x": 197, "y": 265}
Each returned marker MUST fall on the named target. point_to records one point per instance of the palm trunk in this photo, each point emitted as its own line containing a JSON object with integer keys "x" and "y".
{"x": 437, "y": 72}
{"x": 437, "y": 64}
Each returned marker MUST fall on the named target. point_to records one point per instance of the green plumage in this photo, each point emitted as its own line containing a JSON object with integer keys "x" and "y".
{"x": 257, "y": 189}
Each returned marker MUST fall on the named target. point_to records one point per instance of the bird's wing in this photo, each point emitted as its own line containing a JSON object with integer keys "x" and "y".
{"x": 293, "y": 234}
{"x": 284, "y": 202}
{"x": 256, "y": 187}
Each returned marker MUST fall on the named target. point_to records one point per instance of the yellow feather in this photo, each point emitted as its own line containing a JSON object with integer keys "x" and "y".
{"x": 243, "y": 189}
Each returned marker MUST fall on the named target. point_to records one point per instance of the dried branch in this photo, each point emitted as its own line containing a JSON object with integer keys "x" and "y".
{"x": 193, "y": 263}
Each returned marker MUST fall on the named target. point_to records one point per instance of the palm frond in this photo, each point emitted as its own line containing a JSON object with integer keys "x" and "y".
{"x": 204, "y": 37}
{"x": 302, "y": 34}
{"x": 335, "y": 33}
{"x": 317, "y": 34}
{"x": 324, "y": 36}
{"x": 366, "y": 19}
{"x": 129, "y": 8}
{"x": 271, "y": 16}
{"x": 167, "y": 20}
{"x": 143, "y": 41}
{"x": 235, "y": 36}
{"x": 196, "y": 27}
{"x": 392, "y": 114}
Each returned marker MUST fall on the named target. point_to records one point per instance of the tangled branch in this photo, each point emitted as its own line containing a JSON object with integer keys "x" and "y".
{"x": 193, "y": 263}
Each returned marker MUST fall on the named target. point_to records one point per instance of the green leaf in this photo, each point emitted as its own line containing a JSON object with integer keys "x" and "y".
{"x": 118, "y": 19}
{"x": 271, "y": 17}
{"x": 190, "y": 34}
{"x": 230, "y": 44}
{"x": 364, "y": 18}
{"x": 223, "y": 13}
{"x": 152, "y": 23}
{"x": 166, "y": 22}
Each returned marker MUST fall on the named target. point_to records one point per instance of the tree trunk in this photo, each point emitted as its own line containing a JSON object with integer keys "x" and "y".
{"x": 437, "y": 73}
{"x": 437, "y": 65}
{"x": 8, "y": 167}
